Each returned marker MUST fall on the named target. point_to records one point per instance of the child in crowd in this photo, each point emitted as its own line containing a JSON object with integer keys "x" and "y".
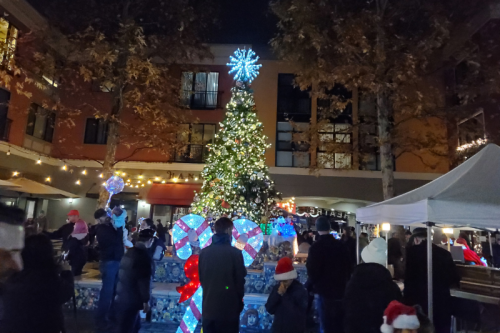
{"x": 400, "y": 318}
{"x": 118, "y": 216}
{"x": 288, "y": 300}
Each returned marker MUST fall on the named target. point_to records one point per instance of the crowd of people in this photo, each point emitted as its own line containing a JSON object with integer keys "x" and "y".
{"x": 34, "y": 288}
{"x": 392, "y": 275}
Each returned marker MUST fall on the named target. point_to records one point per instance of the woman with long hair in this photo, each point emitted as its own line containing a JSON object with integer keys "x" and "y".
{"x": 33, "y": 297}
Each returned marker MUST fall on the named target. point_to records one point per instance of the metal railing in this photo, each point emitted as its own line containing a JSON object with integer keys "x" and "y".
{"x": 203, "y": 100}
{"x": 192, "y": 153}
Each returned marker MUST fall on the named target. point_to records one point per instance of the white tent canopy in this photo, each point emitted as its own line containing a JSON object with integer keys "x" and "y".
{"x": 32, "y": 187}
{"x": 469, "y": 195}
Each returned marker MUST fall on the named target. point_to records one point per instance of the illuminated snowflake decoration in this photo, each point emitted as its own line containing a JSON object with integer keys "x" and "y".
{"x": 243, "y": 64}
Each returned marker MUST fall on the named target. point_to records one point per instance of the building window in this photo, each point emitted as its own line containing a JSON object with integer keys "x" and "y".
{"x": 194, "y": 138}
{"x": 292, "y": 102}
{"x": 41, "y": 123}
{"x": 335, "y": 137}
{"x": 96, "y": 132}
{"x": 200, "y": 90}
{"x": 4, "y": 111}
{"x": 290, "y": 151}
{"x": 8, "y": 40}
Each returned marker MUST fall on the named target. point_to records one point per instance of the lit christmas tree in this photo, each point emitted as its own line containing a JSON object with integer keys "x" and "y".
{"x": 236, "y": 178}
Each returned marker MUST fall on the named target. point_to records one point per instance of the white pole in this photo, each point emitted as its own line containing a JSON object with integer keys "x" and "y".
{"x": 429, "y": 271}
{"x": 491, "y": 249}
{"x": 358, "y": 234}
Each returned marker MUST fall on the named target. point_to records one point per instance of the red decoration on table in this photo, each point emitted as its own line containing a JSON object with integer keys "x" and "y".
{"x": 191, "y": 270}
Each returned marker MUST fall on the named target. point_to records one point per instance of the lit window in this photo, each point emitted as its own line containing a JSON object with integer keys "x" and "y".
{"x": 8, "y": 41}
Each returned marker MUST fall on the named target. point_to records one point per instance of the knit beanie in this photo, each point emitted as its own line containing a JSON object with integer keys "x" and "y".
{"x": 322, "y": 224}
{"x": 375, "y": 252}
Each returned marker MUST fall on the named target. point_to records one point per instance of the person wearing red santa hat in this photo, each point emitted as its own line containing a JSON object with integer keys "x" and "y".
{"x": 469, "y": 255}
{"x": 288, "y": 300}
{"x": 400, "y": 318}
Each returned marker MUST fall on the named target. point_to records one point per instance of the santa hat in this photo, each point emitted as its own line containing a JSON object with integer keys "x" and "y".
{"x": 285, "y": 270}
{"x": 80, "y": 230}
{"x": 399, "y": 316}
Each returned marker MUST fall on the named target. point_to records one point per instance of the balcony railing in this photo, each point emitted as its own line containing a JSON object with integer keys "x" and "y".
{"x": 203, "y": 100}
{"x": 192, "y": 154}
{"x": 5, "y": 129}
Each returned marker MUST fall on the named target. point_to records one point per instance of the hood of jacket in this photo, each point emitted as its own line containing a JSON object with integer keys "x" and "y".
{"x": 370, "y": 275}
{"x": 221, "y": 239}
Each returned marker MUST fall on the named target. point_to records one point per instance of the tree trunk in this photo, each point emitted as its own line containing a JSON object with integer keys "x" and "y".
{"x": 384, "y": 135}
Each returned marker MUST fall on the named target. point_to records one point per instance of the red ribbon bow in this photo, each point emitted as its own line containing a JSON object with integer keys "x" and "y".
{"x": 191, "y": 270}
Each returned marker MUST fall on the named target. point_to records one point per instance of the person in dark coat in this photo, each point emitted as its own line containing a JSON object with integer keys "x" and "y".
{"x": 288, "y": 300}
{"x": 65, "y": 231}
{"x": 111, "y": 249}
{"x": 328, "y": 268}
{"x": 134, "y": 283}
{"x": 222, "y": 276}
{"x": 33, "y": 297}
{"x": 445, "y": 275}
{"x": 496, "y": 252}
{"x": 369, "y": 291}
{"x": 395, "y": 257}
{"x": 350, "y": 244}
{"x": 162, "y": 232}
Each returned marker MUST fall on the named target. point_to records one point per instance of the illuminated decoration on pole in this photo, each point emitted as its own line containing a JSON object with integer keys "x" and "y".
{"x": 182, "y": 228}
{"x": 248, "y": 237}
{"x": 236, "y": 178}
{"x": 113, "y": 185}
{"x": 243, "y": 64}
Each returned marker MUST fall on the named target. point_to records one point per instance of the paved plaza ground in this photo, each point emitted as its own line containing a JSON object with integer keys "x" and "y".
{"x": 85, "y": 324}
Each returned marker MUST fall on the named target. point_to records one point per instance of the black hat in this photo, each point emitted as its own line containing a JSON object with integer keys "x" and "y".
{"x": 146, "y": 234}
{"x": 420, "y": 232}
{"x": 322, "y": 224}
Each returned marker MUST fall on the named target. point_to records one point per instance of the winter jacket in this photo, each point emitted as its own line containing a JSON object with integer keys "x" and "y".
{"x": 496, "y": 255}
{"x": 110, "y": 241}
{"x": 77, "y": 255}
{"x": 445, "y": 275}
{"x": 135, "y": 278}
{"x": 367, "y": 295}
{"x": 159, "y": 248}
{"x": 62, "y": 233}
{"x": 328, "y": 267}
{"x": 222, "y": 276}
{"x": 33, "y": 301}
{"x": 289, "y": 310}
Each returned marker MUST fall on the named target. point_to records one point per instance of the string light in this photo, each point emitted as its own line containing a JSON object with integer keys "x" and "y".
{"x": 196, "y": 178}
{"x": 101, "y": 176}
{"x": 149, "y": 181}
{"x": 186, "y": 179}
{"x": 15, "y": 174}
{"x": 175, "y": 179}
{"x": 78, "y": 182}
{"x": 64, "y": 167}
{"x": 84, "y": 172}
{"x": 39, "y": 161}
{"x": 104, "y": 184}
{"x": 157, "y": 178}
{"x": 163, "y": 182}
{"x": 140, "y": 176}
{"x": 124, "y": 174}
{"x": 8, "y": 152}
{"x": 48, "y": 180}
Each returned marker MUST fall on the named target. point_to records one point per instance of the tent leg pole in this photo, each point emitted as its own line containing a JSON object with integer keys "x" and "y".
{"x": 358, "y": 229}
{"x": 491, "y": 248}
{"x": 429, "y": 272}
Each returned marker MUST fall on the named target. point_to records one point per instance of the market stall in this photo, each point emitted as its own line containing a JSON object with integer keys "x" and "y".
{"x": 466, "y": 196}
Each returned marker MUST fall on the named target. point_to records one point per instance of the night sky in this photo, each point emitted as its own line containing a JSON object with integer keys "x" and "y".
{"x": 239, "y": 22}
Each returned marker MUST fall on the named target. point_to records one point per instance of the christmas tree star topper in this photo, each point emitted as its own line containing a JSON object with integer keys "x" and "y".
{"x": 244, "y": 65}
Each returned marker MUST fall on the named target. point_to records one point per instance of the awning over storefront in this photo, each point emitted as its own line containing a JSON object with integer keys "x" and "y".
{"x": 4, "y": 183}
{"x": 172, "y": 194}
{"x": 32, "y": 187}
